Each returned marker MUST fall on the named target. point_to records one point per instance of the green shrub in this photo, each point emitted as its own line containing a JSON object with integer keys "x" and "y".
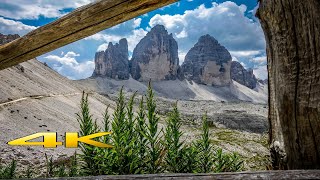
{"x": 87, "y": 127}
{"x": 175, "y": 148}
{"x": 73, "y": 171}
{"x": 227, "y": 162}
{"x": 205, "y": 156}
{"x": 141, "y": 143}
{"x": 138, "y": 144}
{"x": 9, "y": 171}
{"x": 154, "y": 154}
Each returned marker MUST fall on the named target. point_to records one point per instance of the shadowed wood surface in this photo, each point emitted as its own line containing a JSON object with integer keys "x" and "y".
{"x": 80, "y": 23}
{"x": 292, "y": 30}
{"x": 293, "y": 174}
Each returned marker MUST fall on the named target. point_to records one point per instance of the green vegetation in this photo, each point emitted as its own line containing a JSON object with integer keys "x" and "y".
{"x": 9, "y": 171}
{"x": 140, "y": 146}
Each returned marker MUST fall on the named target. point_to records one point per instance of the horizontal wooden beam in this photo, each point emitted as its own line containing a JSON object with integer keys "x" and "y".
{"x": 80, "y": 23}
{"x": 292, "y": 174}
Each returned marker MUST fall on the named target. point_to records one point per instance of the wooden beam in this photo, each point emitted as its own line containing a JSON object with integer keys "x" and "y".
{"x": 80, "y": 23}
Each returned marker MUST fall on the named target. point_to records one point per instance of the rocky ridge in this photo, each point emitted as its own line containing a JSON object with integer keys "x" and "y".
{"x": 113, "y": 62}
{"x": 7, "y": 38}
{"x": 155, "y": 57}
{"x": 208, "y": 63}
{"x": 243, "y": 76}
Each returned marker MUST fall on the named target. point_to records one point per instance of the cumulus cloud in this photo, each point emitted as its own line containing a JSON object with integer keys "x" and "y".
{"x": 259, "y": 60}
{"x": 14, "y": 27}
{"x": 261, "y": 72}
{"x": 130, "y": 30}
{"x": 68, "y": 66}
{"x": 226, "y": 22}
{"x": 248, "y": 53}
{"x": 33, "y": 9}
{"x": 133, "y": 39}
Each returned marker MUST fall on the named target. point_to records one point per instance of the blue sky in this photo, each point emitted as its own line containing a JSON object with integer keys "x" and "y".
{"x": 232, "y": 23}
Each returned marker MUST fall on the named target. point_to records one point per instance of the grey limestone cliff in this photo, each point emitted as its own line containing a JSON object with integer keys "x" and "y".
{"x": 243, "y": 76}
{"x": 155, "y": 57}
{"x": 208, "y": 63}
{"x": 113, "y": 62}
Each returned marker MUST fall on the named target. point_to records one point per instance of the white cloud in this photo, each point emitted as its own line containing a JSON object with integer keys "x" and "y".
{"x": 226, "y": 22}
{"x": 245, "y": 53}
{"x": 261, "y": 72}
{"x": 68, "y": 66}
{"x": 133, "y": 38}
{"x": 32, "y": 9}
{"x": 260, "y": 60}
{"x": 137, "y": 22}
{"x": 181, "y": 55}
{"x": 14, "y": 27}
{"x": 102, "y": 47}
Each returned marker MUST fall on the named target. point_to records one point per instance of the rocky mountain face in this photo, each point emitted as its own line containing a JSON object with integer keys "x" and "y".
{"x": 208, "y": 63}
{"x": 7, "y": 38}
{"x": 113, "y": 62}
{"x": 264, "y": 82}
{"x": 243, "y": 76}
{"x": 155, "y": 57}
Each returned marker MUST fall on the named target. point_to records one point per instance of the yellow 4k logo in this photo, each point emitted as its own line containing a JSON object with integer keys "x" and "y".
{"x": 50, "y": 140}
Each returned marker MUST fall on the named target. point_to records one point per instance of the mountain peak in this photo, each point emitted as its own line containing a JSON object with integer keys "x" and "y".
{"x": 155, "y": 56}
{"x": 208, "y": 63}
{"x": 208, "y": 40}
{"x": 158, "y": 29}
{"x": 7, "y": 38}
{"x": 113, "y": 62}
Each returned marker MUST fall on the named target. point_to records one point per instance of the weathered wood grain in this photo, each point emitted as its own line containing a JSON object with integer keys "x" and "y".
{"x": 292, "y": 30}
{"x": 277, "y": 175}
{"x": 80, "y": 23}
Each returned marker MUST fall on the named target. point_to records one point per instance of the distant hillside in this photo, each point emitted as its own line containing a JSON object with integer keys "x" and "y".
{"x": 35, "y": 98}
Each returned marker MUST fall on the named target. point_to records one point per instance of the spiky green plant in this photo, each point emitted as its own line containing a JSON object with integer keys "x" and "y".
{"x": 189, "y": 161}
{"x": 62, "y": 171}
{"x": 9, "y": 171}
{"x": 123, "y": 138}
{"x": 73, "y": 170}
{"x": 87, "y": 126}
{"x": 175, "y": 150}
{"x": 106, "y": 122}
{"x": 227, "y": 162}
{"x": 205, "y": 155}
{"x": 155, "y": 150}
{"x": 49, "y": 166}
{"x": 140, "y": 128}
{"x": 105, "y": 161}
{"x": 138, "y": 146}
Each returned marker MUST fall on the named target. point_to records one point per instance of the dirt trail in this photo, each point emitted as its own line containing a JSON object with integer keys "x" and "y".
{"x": 37, "y": 97}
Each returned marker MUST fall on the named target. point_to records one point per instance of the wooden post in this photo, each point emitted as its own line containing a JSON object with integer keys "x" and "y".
{"x": 292, "y": 30}
{"x": 80, "y": 23}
